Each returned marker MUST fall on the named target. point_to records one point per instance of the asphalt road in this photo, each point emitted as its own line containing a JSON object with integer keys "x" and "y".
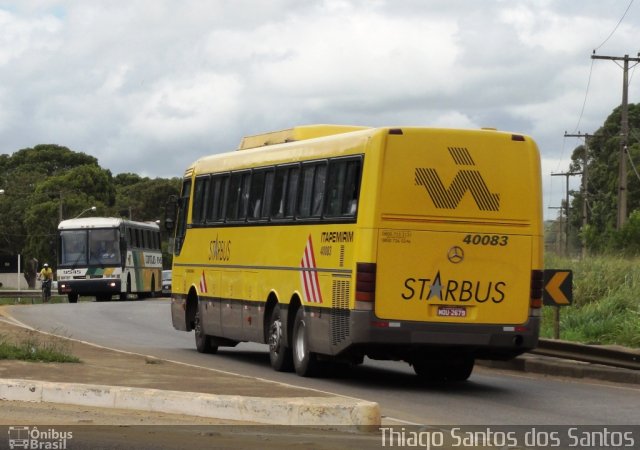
{"x": 488, "y": 398}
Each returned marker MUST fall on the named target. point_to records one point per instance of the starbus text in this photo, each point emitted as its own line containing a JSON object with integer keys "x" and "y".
{"x": 453, "y": 290}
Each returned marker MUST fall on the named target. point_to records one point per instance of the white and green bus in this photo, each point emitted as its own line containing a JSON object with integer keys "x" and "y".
{"x": 106, "y": 256}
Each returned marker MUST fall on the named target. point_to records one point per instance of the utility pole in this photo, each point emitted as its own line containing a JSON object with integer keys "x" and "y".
{"x": 585, "y": 173}
{"x": 559, "y": 245}
{"x": 60, "y": 208}
{"x": 624, "y": 131}
{"x": 566, "y": 207}
{"x": 556, "y": 308}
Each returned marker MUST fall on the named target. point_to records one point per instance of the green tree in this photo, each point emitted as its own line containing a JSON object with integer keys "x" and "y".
{"x": 47, "y": 182}
{"x": 67, "y": 194}
{"x": 29, "y": 207}
{"x": 602, "y": 168}
{"x": 143, "y": 198}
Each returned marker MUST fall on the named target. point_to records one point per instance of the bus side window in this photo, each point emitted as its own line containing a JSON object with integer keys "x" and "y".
{"x": 352, "y": 188}
{"x": 343, "y": 188}
{"x": 279, "y": 193}
{"x": 181, "y": 226}
{"x": 218, "y": 188}
{"x": 335, "y": 188}
{"x": 244, "y": 196}
{"x": 312, "y": 185}
{"x": 233, "y": 197}
{"x": 306, "y": 190}
{"x": 199, "y": 200}
{"x": 256, "y": 194}
{"x": 319, "y": 186}
{"x": 268, "y": 188}
{"x": 292, "y": 190}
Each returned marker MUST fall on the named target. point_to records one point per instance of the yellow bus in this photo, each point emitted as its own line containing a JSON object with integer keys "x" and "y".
{"x": 334, "y": 243}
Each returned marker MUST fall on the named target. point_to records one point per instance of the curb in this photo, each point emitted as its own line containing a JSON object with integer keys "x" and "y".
{"x": 562, "y": 368}
{"x": 310, "y": 411}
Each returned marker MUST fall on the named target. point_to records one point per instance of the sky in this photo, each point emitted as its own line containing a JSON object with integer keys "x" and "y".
{"x": 149, "y": 86}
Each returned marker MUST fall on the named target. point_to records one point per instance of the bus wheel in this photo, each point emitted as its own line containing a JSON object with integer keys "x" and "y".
{"x": 125, "y": 295}
{"x": 448, "y": 370}
{"x": 204, "y": 343}
{"x": 73, "y": 298}
{"x": 279, "y": 354}
{"x": 304, "y": 361}
{"x": 460, "y": 369}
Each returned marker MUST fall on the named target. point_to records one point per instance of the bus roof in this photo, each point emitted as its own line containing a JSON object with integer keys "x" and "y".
{"x": 300, "y": 133}
{"x": 289, "y": 145}
{"x": 278, "y": 146}
{"x": 102, "y": 222}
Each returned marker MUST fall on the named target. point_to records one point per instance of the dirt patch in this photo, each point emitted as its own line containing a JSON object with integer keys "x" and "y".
{"x": 107, "y": 367}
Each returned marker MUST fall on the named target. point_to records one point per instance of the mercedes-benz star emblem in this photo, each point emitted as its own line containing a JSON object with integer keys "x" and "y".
{"x": 455, "y": 255}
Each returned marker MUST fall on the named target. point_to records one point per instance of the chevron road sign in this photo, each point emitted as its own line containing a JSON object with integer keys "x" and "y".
{"x": 558, "y": 287}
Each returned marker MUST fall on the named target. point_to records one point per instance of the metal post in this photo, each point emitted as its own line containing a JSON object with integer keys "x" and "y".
{"x": 624, "y": 131}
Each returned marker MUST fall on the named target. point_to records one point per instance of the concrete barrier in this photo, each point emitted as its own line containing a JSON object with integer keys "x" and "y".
{"x": 310, "y": 411}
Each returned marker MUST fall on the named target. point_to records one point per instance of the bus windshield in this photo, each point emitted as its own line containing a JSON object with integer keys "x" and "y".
{"x": 95, "y": 246}
{"x": 74, "y": 247}
{"x": 103, "y": 246}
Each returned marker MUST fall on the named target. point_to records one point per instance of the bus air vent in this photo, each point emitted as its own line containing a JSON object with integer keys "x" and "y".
{"x": 339, "y": 320}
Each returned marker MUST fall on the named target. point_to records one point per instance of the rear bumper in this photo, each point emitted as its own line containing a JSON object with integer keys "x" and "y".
{"x": 370, "y": 334}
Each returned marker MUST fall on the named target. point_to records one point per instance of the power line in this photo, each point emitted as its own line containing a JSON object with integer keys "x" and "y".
{"x": 584, "y": 102}
{"x": 616, "y": 27}
{"x": 586, "y": 94}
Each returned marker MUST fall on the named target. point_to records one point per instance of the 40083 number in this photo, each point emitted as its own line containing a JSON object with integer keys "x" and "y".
{"x": 495, "y": 240}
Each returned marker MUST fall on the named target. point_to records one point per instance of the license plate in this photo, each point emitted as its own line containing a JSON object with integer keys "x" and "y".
{"x": 452, "y": 311}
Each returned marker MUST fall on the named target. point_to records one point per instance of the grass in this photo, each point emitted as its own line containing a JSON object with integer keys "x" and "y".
{"x": 606, "y": 301}
{"x": 37, "y": 349}
{"x": 30, "y": 299}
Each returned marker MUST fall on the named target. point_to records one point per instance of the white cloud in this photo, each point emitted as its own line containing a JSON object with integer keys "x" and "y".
{"x": 177, "y": 108}
{"x": 21, "y": 37}
{"x": 124, "y": 81}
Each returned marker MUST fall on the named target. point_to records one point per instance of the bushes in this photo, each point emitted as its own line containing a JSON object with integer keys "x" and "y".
{"x": 36, "y": 348}
{"x": 606, "y": 301}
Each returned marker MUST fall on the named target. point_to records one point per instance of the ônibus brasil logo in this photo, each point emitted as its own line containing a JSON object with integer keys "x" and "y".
{"x": 32, "y": 438}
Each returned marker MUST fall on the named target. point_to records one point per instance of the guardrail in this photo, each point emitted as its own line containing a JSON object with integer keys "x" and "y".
{"x": 21, "y": 293}
{"x": 595, "y": 354}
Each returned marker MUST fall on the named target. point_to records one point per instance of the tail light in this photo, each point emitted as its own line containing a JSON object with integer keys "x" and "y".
{"x": 366, "y": 282}
{"x": 537, "y": 286}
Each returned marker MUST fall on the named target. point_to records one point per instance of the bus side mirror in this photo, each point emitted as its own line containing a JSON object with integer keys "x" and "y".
{"x": 170, "y": 213}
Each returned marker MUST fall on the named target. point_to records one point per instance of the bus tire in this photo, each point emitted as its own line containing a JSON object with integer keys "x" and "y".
{"x": 305, "y": 362}
{"x": 125, "y": 295}
{"x": 73, "y": 298}
{"x": 458, "y": 369}
{"x": 279, "y": 354}
{"x": 204, "y": 342}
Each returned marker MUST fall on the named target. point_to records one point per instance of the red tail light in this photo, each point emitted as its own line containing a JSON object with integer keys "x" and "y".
{"x": 365, "y": 282}
{"x": 537, "y": 286}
